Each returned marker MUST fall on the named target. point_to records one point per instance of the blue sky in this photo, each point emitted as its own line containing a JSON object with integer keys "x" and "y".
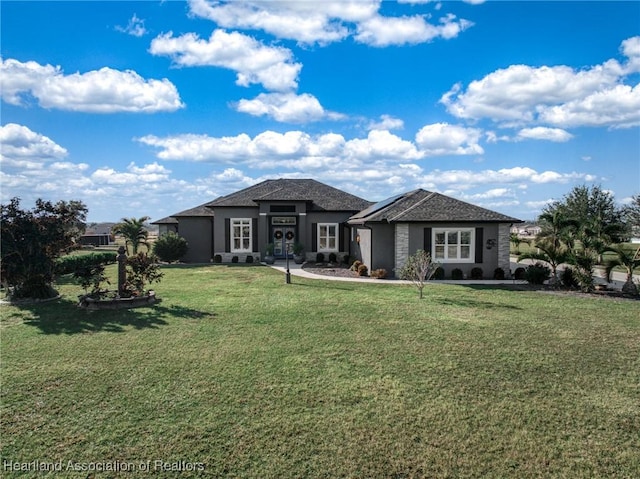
{"x": 150, "y": 108}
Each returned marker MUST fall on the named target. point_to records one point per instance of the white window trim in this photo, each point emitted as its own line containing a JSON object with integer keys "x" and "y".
{"x": 241, "y": 222}
{"x": 472, "y": 245}
{"x": 337, "y": 235}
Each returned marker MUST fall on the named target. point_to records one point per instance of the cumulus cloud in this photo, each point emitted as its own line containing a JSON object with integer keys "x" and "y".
{"x": 444, "y": 139}
{"x": 558, "y": 95}
{"x": 386, "y": 122}
{"x": 328, "y": 21}
{"x": 287, "y": 107}
{"x": 25, "y": 149}
{"x": 542, "y": 133}
{"x": 253, "y": 62}
{"x": 97, "y": 91}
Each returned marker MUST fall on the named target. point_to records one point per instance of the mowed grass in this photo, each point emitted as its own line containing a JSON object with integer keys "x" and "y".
{"x": 254, "y": 378}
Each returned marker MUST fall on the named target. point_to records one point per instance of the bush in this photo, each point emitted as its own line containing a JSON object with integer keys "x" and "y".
{"x": 568, "y": 278}
{"x": 333, "y": 258}
{"x": 356, "y": 264}
{"x": 249, "y": 259}
{"x": 519, "y": 273}
{"x": 477, "y": 273}
{"x": 456, "y": 274}
{"x": 537, "y": 273}
{"x": 71, "y": 264}
{"x": 363, "y": 270}
{"x": 498, "y": 273}
{"x": 141, "y": 269}
{"x": 439, "y": 273}
{"x": 346, "y": 259}
{"x": 380, "y": 273}
{"x": 217, "y": 258}
{"x": 170, "y": 247}
{"x": 320, "y": 258}
{"x": 235, "y": 259}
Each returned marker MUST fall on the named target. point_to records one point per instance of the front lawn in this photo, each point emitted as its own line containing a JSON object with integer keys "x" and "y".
{"x": 240, "y": 375}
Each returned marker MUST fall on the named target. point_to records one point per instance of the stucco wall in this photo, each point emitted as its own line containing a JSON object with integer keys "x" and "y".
{"x": 198, "y": 231}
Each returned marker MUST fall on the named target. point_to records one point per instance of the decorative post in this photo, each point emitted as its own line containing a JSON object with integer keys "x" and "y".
{"x": 287, "y": 276}
{"x": 122, "y": 269}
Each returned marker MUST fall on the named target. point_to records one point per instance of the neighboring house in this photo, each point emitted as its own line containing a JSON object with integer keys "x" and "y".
{"x": 97, "y": 234}
{"x": 457, "y": 234}
{"x": 526, "y": 230}
{"x": 327, "y": 220}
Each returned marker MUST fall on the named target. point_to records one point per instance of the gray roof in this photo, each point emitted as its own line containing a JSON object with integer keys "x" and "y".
{"x": 168, "y": 220}
{"x": 322, "y": 197}
{"x": 426, "y": 206}
{"x": 200, "y": 210}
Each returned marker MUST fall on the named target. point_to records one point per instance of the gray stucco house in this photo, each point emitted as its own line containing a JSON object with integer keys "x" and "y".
{"x": 327, "y": 220}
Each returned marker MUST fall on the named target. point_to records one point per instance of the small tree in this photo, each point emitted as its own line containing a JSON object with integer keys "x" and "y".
{"x": 170, "y": 247}
{"x": 134, "y": 232}
{"x": 551, "y": 254}
{"x": 419, "y": 268}
{"x": 33, "y": 240}
{"x": 629, "y": 261}
{"x": 141, "y": 269}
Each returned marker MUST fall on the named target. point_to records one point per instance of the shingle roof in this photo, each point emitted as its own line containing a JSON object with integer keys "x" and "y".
{"x": 167, "y": 220}
{"x": 426, "y": 206}
{"x": 321, "y": 196}
{"x": 200, "y": 210}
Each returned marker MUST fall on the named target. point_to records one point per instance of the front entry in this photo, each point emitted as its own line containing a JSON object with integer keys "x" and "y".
{"x": 283, "y": 234}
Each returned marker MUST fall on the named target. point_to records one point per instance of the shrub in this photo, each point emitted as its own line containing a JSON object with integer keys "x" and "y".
{"x": 537, "y": 273}
{"x": 356, "y": 264}
{"x": 71, "y": 264}
{"x": 363, "y": 270}
{"x": 456, "y": 274}
{"x": 380, "y": 273}
{"x": 170, "y": 247}
{"x": 217, "y": 258}
{"x": 346, "y": 259}
{"x": 568, "y": 278}
{"x": 320, "y": 258}
{"x": 141, "y": 269}
{"x": 519, "y": 273}
{"x": 439, "y": 273}
{"x": 498, "y": 273}
{"x": 249, "y": 259}
{"x": 235, "y": 259}
{"x": 91, "y": 276}
{"x": 333, "y": 258}
{"x": 477, "y": 273}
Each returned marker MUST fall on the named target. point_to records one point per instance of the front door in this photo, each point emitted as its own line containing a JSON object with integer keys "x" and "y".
{"x": 283, "y": 238}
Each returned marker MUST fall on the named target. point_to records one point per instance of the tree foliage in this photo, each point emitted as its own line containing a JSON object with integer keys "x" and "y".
{"x": 419, "y": 268}
{"x": 631, "y": 215}
{"x": 170, "y": 247}
{"x": 134, "y": 232}
{"x": 628, "y": 260}
{"x": 33, "y": 239}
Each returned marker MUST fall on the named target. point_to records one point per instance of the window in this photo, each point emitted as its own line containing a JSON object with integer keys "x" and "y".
{"x": 453, "y": 246}
{"x": 240, "y": 235}
{"x": 327, "y": 237}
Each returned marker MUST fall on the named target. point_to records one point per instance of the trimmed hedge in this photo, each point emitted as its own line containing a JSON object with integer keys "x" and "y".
{"x": 73, "y": 263}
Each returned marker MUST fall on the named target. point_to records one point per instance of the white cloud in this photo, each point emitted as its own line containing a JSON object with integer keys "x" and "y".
{"x": 326, "y": 22}
{"x": 380, "y": 144}
{"x": 287, "y": 107}
{"x": 556, "y": 95}
{"x": 97, "y": 91}
{"x": 253, "y": 62}
{"x": 135, "y": 27}
{"x": 542, "y": 133}
{"x": 444, "y": 139}
{"x": 24, "y": 148}
{"x": 387, "y": 122}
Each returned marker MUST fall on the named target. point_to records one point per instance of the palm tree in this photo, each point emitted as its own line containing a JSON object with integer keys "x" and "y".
{"x": 134, "y": 232}
{"x": 628, "y": 260}
{"x": 557, "y": 228}
{"x": 550, "y": 254}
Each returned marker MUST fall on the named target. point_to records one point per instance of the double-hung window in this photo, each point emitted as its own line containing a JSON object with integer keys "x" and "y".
{"x": 327, "y": 237}
{"x": 453, "y": 245}
{"x": 240, "y": 235}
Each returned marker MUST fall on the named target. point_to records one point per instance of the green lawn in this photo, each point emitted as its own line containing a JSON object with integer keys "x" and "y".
{"x": 254, "y": 378}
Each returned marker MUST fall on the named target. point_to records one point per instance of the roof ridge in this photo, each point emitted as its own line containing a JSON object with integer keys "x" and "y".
{"x": 417, "y": 203}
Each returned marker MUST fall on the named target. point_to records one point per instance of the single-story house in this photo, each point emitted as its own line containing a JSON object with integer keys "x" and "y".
{"x": 327, "y": 220}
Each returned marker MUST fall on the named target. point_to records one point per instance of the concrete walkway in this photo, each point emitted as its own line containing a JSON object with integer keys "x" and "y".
{"x": 297, "y": 270}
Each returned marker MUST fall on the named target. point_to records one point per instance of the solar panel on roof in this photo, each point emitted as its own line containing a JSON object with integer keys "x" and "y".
{"x": 378, "y": 206}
